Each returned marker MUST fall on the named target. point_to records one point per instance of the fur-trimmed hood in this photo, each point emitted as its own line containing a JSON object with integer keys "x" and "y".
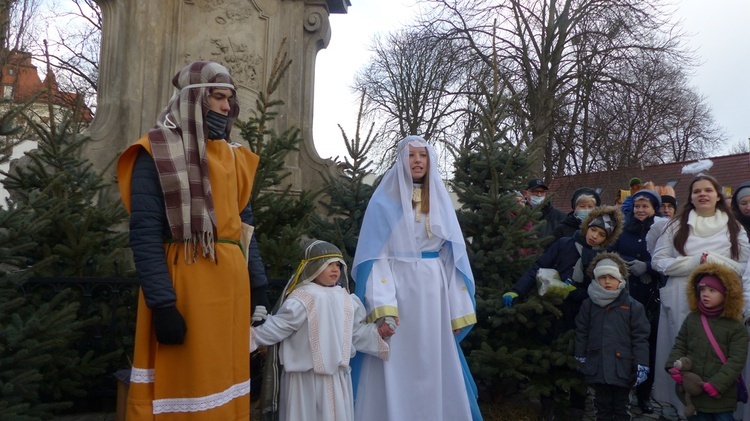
{"x": 621, "y": 265}
{"x": 617, "y": 219}
{"x": 733, "y": 301}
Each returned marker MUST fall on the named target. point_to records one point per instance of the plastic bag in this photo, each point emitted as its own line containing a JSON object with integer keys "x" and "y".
{"x": 549, "y": 283}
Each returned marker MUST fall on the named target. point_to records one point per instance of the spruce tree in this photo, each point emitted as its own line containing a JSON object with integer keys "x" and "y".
{"x": 81, "y": 215}
{"x": 22, "y": 330}
{"x": 281, "y": 215}
{"x": 40, "y": 365}
{"x": 347, "y": 194}
{"x": 507, "y": 347}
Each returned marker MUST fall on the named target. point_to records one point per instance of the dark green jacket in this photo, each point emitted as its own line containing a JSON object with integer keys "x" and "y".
{"x": 730, "y": 334}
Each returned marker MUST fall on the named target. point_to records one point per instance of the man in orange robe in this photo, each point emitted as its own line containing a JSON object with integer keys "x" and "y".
{"x": 187, "y": 190}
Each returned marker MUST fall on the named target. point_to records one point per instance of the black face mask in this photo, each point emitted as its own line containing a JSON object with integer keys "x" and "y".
{"x": 217, "y": 125}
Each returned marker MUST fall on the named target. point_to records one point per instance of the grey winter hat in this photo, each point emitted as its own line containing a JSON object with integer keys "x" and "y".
{"x": 742, "y": 192}
{"x": 609, "y": 267}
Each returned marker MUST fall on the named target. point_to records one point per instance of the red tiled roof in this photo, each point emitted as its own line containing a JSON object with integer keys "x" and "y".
{"x": 729, "y": 170}
{"x": 19, "y": 73}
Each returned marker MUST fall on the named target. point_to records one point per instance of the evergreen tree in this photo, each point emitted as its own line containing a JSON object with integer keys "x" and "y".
{"x": 81, "y": 214}
{"x": 282, "y": 216}
{"x": 507, "y": 346}
{"x": 347, "y": 194}
{"x": 40, "y": 366}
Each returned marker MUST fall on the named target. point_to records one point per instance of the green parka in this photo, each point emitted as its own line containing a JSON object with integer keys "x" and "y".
{"x": 730, "y": 334}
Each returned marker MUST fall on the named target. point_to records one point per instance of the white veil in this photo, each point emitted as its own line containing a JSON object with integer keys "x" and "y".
{"x": 386, "y": 234}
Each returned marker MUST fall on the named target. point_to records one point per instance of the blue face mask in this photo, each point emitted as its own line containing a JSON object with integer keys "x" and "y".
{"x": 581, "y": 214}
{"x": 536, "y": 200}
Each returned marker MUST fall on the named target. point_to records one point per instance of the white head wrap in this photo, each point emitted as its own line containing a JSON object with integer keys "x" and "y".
{"x": 388, "y": 226}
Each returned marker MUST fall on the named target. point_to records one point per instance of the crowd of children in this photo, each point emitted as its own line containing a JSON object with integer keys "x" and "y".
{"x": 699, "y": 255}
{"x": 614, "y": 309}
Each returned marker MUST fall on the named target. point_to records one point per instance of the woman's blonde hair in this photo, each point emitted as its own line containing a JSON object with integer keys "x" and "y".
{"x": 425, "y": 207}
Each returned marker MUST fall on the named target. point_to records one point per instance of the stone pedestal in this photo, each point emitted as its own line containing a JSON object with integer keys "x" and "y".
{"x": 145, "y": 42}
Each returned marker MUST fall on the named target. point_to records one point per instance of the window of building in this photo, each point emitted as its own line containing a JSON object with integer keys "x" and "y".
{"x": 11, "y": 71}
{"x": 7, "y": 91}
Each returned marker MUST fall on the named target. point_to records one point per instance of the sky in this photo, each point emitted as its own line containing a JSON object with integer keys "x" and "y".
{"x": 718, "y": 34}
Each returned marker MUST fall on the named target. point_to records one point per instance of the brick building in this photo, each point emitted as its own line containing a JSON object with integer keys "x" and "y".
{"x": 729, "y": 171}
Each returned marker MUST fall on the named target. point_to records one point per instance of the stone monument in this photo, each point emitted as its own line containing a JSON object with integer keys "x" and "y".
{"x": 145, "y": 42}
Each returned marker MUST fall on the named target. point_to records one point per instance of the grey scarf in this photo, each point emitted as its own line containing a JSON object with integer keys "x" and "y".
{"x": 601, "y": 296}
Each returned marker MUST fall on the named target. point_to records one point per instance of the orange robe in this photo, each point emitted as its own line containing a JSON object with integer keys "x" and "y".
{"x": 208, "y": 376}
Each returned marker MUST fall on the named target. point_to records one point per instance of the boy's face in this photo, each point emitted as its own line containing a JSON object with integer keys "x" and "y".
{"x": 218, "y": 100}
{"x": 330, "y": 275}
{"x": 710, "y": 297}
{"x": 595, "y": 236}
{"x": 608, "y": 282}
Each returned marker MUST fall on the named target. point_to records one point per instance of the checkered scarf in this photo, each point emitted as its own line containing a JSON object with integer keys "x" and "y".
{"x": 178, "y": 146}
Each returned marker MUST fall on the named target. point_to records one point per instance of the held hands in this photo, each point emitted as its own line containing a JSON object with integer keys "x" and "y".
{"x": 169, "y": 326}
{"x": 509, "y": 299}
{"x": 259, "y": 315}
{"x": 641, "y": 374}
{"x": 637, "y": 267}
{"x": 387, "y": 326}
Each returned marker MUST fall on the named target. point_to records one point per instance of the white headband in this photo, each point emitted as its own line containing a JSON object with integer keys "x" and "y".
{"x": 210, "y": 85}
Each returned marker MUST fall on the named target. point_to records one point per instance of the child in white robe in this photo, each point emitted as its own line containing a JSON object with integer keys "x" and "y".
{"x": 320, "y": 327}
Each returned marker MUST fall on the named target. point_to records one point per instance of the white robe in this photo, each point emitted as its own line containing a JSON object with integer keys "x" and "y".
{"x": 674, "y": 305}
{"x": 422, "y": 380}
{"x": 320, "y": 329}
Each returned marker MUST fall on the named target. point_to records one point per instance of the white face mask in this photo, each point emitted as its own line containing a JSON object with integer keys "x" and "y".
{"x": 536, "y": 200}
{"x": 581, "y": 214}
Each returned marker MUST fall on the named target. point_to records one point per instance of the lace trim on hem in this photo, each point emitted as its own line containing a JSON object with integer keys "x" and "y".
{"x": 202, "y": 403}
{"x": 141, "y": 375}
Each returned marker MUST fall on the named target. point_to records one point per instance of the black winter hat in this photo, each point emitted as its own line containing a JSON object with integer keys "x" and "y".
{"x": 669, "y": 199}
{"x": 587, "y": 191}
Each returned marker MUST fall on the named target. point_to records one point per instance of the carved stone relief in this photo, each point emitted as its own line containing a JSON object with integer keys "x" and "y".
{"x": 235, "y": 34}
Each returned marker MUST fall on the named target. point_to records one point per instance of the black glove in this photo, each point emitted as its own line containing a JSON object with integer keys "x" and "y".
{"x": 169, "y": 326}
{"x": 259, "y": 297}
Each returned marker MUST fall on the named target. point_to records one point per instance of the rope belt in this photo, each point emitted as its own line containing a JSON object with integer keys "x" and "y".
{"x": 220, "y": 240}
